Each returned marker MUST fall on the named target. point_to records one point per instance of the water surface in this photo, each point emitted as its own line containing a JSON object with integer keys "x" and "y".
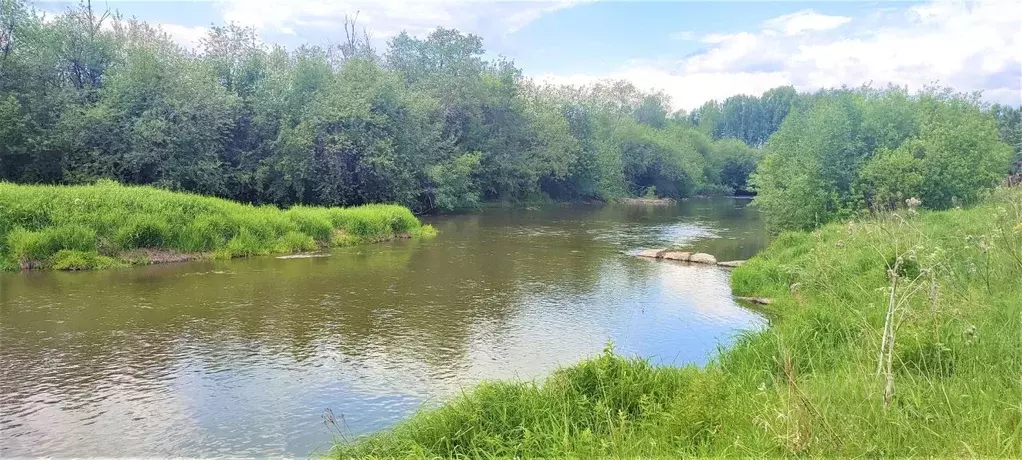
{"x": 244, "y": 357}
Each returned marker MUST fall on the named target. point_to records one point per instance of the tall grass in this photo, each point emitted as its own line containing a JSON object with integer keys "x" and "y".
{"x": 95, "y": 226}
{"x": 809, "y": 384}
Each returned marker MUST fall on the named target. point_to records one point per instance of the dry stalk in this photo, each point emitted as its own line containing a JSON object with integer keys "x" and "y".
{"x": 885, "y": 361}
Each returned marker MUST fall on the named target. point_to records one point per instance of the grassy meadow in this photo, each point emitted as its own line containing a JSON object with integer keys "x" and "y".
{"x": 893, "y": 335}
{"x": 107, "y": 224}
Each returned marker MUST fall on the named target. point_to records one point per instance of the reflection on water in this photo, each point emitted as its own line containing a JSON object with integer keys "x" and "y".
{"x": 243, "y": 357}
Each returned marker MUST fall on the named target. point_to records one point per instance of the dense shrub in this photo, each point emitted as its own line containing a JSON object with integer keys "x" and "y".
{"x": 864, "y": 149}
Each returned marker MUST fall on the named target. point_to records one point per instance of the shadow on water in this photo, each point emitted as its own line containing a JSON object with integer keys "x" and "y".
{"x": 243, "y": 357}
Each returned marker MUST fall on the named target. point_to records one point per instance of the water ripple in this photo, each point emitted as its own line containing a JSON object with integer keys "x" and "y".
{"x": 243, "y": 358}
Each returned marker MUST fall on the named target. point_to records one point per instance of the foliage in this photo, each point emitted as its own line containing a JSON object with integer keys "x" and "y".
{"x": 434, "y": 125}
{"x": 82, "y": 227}
{"x": 892, "y": 176}
{"x": 875, "y": 148}
{"x": 454, "y": 183}
{"x": 1009, "y": 121}
{"x": 428, "y": 123}
{"x": 735, "y": 161}
{"x": 750, "y": 119}
{"x": 806, "y": 386}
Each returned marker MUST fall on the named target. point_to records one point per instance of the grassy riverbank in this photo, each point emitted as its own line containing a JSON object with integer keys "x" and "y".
{"x": 816, "y": 382}
{"x": 107, "y": 224}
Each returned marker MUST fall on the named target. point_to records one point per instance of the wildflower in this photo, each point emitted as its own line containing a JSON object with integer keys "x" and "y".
{"x": 913, "y": 202}
{"x": 970, "y": 334}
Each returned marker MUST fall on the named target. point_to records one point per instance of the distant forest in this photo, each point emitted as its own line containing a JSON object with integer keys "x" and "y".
{"x": 430, "y": 124}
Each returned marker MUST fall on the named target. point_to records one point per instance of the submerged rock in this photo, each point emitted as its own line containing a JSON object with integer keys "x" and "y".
{"x": 731, "y": 263}
{"x": 703, "y": 258}
{"x": 651, "y": 253}
{"x": 680, "y": 256}
{"x": 675, "y": 255}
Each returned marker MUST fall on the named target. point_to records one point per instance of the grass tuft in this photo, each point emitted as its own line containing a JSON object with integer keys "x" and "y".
{"x": 102, "y": 225}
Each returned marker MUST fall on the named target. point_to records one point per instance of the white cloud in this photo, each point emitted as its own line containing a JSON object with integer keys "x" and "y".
{"x": 969, "y": 46}
{"x": 687, "y": 91}
{"x": 385, "y": 19}
{"x": 804, "y": 21}
{"x": 45, "y": 16}
{"x": 189, "y": 37}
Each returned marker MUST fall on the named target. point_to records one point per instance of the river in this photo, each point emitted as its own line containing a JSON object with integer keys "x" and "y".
{"x": 245, "y": 357}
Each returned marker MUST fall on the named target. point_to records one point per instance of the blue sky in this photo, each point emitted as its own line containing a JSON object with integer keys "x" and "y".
{"x": 694, "y": 51}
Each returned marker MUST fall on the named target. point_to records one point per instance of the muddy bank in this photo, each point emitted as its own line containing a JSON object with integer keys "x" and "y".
{"x": 649, "y": 201}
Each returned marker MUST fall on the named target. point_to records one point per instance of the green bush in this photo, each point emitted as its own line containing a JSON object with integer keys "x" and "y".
{"x": 80, "y": 260}
{"x": 891, "y": 177}
{"x": 402, "y": 220}
{"x": 425, "y": 231}
{"x": 312, "y": 222}
{"x": 294, "y": 242}
{"x": 143, "y": 232}
{"x": 208, "y": 232}
{"x": 370, "y": 226}
{"x": 24, "y": 245}
{"x": 453, "y": 186}
{"x": 847, "y": 151}
{"x": 245, "y": 244}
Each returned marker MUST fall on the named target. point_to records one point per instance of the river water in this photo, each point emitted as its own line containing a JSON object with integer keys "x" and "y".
{"x": 245, "y": 357}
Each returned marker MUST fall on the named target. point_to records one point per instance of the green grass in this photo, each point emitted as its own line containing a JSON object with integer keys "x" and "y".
{"x": 806, "y": 386}
{"x": 98, "y": 226}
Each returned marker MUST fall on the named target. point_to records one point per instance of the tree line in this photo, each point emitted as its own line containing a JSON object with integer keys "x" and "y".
{"x": 872, "y": 150}
{"x": 427, "y": 122}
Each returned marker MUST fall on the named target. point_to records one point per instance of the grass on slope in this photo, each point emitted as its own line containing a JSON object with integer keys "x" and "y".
{"x": 107, "y": 224}
{"x": 808, "y": 385}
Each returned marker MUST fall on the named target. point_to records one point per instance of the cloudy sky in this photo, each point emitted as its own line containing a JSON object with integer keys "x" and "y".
{"x": 695, "y": 51}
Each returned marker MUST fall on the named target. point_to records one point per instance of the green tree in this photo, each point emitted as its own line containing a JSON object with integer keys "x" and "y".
{"x": 853, "y": 148}
{"x": 452, "y": 184}
{"x": 891, "y": 176}
{"x": 961, "y": 150}
{"x": 1009, "y": 121}
{"x": 734, "y": 162}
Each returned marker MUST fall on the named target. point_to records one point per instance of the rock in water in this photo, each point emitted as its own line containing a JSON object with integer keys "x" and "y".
{"x": 703, "y": 258}
{"x": 676, "y": 255}
{"x": 680, "y": 256}
{"x": 651, "y": 253}
{"x": 731, "y": 263}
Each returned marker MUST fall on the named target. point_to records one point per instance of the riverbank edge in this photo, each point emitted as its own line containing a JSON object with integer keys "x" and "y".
{"x": 108, "y": 225}
{"x": 155, "y": 256}
{"x": 804, "y": 386}
{"x": 542, "y": 203}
